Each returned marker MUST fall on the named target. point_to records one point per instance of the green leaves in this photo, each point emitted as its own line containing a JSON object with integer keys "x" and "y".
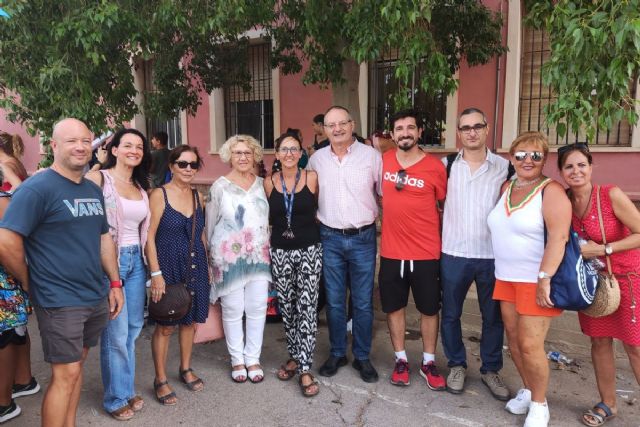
{"x": 594, "y": 62}
{"x": 77, "y": 58}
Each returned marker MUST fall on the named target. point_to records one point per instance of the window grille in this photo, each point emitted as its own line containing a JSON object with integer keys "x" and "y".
{"x": 383, "y": 85}
{"x": 534, "y": 96}
{"x": 251, "y": 112}
{"x": 154, "y": 124}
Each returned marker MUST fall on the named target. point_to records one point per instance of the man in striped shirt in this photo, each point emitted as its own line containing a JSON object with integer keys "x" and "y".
{"x": 473, "y": 189}
{"x": 349, "y": 181}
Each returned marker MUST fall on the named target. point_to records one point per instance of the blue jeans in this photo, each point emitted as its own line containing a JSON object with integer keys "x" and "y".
{"x": 117, "y": 345}
{"x": 354, "y": 255}
{"x": 456, "y": 275}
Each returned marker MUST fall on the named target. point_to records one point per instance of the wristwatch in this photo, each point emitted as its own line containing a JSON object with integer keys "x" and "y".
{"x": 543, "y": 275}
{"x": 608, "y": 249}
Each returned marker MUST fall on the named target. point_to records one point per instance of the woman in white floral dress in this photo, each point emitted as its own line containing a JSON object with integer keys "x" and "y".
{"x": 238, "y": 236}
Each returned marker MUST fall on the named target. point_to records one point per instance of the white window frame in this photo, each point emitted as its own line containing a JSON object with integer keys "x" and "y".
{"x": 139, "y": 121}
{"x": 217, "y": 126}
{"x": 510, "y": 122}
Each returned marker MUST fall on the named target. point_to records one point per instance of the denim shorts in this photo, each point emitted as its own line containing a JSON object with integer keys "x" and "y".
{"x": 65, "y": 331}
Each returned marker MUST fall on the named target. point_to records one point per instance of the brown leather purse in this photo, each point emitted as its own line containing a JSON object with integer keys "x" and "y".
{"x": 607, "y": 297}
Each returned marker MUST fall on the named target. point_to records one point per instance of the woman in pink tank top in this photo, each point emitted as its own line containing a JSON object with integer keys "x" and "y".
{"x": 621, "y": 221}
{"x": 124, "y": 180}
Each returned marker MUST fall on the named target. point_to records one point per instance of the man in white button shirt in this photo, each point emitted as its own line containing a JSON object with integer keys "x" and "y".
{"x": 349, "y": 180}
{"x": 473, "y": 188}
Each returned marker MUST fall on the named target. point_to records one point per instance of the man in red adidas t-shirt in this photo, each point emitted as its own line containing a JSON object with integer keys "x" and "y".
{"x": 412, "y": 184}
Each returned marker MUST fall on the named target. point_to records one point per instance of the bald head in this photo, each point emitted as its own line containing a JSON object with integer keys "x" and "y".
{"x": 64, "y": 126}
{"x": 71, "y": 144}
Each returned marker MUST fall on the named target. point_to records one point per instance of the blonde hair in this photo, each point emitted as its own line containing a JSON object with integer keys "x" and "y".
{"x": 252, "y": 143}
{"x": 536, "y": 138}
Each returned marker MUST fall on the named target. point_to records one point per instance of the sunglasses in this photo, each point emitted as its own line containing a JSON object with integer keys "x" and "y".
{"x": 401, "y": 179}
{"x": 182, "y": 164}
{"x": 535, "y": 156}
{"x": 571, "y": 147}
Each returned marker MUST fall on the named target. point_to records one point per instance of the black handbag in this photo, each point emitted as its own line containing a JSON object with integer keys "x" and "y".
{"x": 177, "y": 299}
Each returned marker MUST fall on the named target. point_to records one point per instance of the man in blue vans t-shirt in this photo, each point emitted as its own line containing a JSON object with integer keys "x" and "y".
{"x": 57, "y": 220}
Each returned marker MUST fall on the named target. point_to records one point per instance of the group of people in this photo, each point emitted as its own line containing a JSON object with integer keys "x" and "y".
{"x": 69, "y": 241}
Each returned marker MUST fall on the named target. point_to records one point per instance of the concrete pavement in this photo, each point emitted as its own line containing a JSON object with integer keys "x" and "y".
{"x": 344, "y": 400}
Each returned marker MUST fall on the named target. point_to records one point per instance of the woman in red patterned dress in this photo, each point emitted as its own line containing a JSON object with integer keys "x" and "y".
{"x": 622, "y": 230}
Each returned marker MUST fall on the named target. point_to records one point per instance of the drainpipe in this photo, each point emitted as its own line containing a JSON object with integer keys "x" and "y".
{"x": 497, "y": 110}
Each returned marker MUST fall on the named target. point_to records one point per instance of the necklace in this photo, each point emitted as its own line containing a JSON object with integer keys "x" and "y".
{"x": 584, "y": 212}
{"x": 521, "y": 183}
{"x": 129, "y": 181}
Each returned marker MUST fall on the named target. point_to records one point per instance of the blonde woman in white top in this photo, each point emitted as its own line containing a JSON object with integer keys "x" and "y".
{"x": 525, "y": 265}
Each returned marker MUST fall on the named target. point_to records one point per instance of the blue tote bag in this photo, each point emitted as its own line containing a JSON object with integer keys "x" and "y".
{"x": 573, "y": 287}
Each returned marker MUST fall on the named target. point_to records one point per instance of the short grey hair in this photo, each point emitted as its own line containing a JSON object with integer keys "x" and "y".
{"x": 472, "y": 110}
{"x": 254, "y": 145}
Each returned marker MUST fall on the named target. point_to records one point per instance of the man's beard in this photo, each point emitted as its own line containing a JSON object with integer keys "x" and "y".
{"x": 407, "y": 147}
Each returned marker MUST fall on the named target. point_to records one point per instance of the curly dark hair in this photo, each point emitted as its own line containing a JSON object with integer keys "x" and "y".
{"x": 141, "y": 172}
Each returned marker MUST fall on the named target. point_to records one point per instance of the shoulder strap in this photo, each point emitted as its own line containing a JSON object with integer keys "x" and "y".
{"x": 102, "y": 179}
{"x": 450, "y": 159}
{"x": 192, "y": 254}
{"x": 164, "y": 193}
{"x": 601, "y": 222}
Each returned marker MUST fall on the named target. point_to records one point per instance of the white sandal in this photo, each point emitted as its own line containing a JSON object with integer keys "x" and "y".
{"x": 239, "y": 375}
{"x": 256, "y": 375}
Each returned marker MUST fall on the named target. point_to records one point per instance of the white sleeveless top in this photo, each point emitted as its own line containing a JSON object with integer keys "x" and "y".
{"x": 134, "y": 212}
{"x": 517, "y": 234}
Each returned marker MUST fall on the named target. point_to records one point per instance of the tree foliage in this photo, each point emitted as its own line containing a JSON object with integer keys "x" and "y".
{"x": 75, "y": 57}
{"x": 436, "y": 33}
{"x": 594, "y": 62}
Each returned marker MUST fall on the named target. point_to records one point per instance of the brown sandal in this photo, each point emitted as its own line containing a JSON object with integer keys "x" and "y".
{"x": 285, "y": 374}
{"x": 166, "y": 399}
{"x": 120, "y": 414}
{"x": 136, "y": 403}
{"x": 305, "y": 388}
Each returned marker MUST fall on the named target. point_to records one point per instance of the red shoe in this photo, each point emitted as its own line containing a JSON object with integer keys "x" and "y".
{"x": 435, "y": 381}
{"x": 400, "y": 375}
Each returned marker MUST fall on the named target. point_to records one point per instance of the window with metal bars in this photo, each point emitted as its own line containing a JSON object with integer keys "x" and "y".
{"x": 383, "y": 85}
{"x": 155, "y": 124}
{"x": 251, "y": 113}
{"x": 534, "y": 96}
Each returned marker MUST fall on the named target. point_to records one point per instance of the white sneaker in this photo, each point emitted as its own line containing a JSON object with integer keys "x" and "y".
{"x": 538, "y": 415}
{"x": 519, "y": 405}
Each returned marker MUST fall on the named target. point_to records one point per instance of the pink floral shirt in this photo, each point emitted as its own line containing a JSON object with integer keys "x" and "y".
{"x": 238, "y": 235}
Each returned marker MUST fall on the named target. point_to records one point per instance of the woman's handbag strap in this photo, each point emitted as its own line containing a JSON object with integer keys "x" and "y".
{"x": 601, "y": 222}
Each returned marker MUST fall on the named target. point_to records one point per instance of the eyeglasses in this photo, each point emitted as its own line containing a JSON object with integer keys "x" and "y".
{"x": 240, "y": 154}
{"x": 182, "y": 164}
{"x": 477, "y": 127}
{"x": 340, "y": 125}
{"x": 288, "y": 150}
{"x": 401, "y": 179}
{"x": 535, "y": 156}
{"x": 571, "y": 147}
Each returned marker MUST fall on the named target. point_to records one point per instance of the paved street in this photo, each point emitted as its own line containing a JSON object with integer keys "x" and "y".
{"x": 344, "y": 399}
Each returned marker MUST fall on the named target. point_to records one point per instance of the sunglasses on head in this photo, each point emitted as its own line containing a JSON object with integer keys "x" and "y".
{"x": 182, "y": 164}
{"x": 571, "y": 147}
{"x": 535, "y": 156}
{"x": 401, "y": 179}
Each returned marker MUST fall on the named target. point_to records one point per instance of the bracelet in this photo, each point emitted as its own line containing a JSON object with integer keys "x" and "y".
{"x": 156, "y": 273}
{"x": 115, "y": 284}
